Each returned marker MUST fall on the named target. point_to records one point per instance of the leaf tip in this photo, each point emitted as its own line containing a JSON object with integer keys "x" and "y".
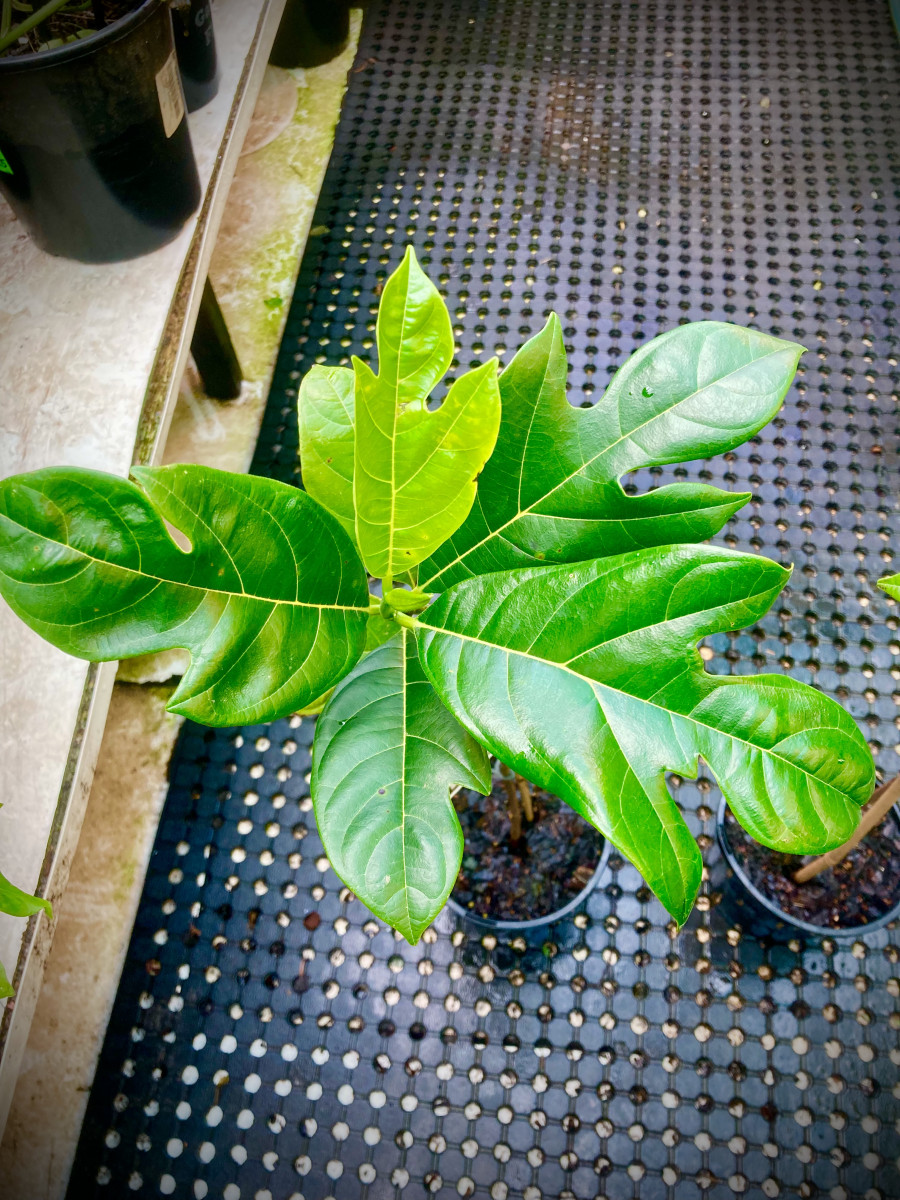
{"x": 890, "y": 584}
{"x": 412, "y": 268}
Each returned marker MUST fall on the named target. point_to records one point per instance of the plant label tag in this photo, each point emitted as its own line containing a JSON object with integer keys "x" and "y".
{"x": 4, "y": 164}
{"x": 171, "y": 97}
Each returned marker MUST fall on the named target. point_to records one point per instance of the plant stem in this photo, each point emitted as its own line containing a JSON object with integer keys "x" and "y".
{"x": 12, "y": 35}
{"x": 525, "y": 795}
{"x": 512, "y": 805}
{"x": 406, "y": 621}
{"x": 882, "y": 801}
{"x": 6, "y": 18}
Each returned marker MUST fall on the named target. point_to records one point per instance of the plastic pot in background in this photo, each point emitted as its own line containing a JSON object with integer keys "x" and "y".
{"x": 195, "y": 44}
{"x": 743, "y": 904}
{"x": 97, "y": 160}
{"x": 311, "y": 32}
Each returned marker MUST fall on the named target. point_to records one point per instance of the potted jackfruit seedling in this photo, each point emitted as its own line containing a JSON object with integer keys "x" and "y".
{"x": 460, "y": 582}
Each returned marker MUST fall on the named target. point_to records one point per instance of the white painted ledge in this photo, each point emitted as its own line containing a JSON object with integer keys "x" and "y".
{"x": 92, "y": 356}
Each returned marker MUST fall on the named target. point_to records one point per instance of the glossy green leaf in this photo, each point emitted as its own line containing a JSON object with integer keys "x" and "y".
{"x": 385, "y": 757}
{"x": 551, "y": 491}
{"x": 586, "y": 679}
{"x": 891, "y": 585}
{"x": 271, "y": 600}
{"x": 415, "y": 469}
{"x": 379, "y": 629}
{"x": 325, "y": 408}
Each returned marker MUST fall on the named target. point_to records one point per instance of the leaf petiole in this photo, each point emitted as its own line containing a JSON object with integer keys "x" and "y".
{"x": 406, "y": 621}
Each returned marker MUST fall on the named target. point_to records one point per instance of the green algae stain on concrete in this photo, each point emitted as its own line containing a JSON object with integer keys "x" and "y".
{"x": 270, "y": 211}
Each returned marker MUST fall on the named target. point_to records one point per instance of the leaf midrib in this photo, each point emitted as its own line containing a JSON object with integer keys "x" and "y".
{"x": 142, "y": 574}
{"x": 594, "y": 683}
{"x": 521, "y": 512}
{"x": 404, "y": 633}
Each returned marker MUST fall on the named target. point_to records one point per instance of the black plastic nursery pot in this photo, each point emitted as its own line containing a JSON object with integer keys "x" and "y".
{"x": 311, "y": 33}
{"x": 745, "y": 904}
{"x": 497, "y": 925}
{"x": 96, "y": 159}
{"x": 195, "y": 44}
{"x": 545, "y": 876}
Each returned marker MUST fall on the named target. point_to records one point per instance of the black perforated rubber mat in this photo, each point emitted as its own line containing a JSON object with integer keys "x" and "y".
{"x": 632, "y": 165}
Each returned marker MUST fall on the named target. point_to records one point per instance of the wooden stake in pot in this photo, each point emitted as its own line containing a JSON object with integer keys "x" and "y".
{"x": 883, "y": 800}
{"x": 525, "y": 797}
{"x": 512, "y": 804}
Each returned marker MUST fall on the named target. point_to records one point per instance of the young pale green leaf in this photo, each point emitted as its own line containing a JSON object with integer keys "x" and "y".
{"x": 891, "y": 585}
{"x": 586, "y": 679}
{"x": 271, "y": 600}
{"x": 6, "y": 988}
{"x": 325, "y": 407}
{"x": 385, "y": 756}
{"x": 551, "y": 491}
{"x": 415, "y": 470}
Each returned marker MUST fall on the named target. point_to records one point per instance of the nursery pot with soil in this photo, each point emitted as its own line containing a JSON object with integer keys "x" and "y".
{"x": 528, "y": 859}
{"x": 95, "y": 154}
{"x": 859, "y": 894}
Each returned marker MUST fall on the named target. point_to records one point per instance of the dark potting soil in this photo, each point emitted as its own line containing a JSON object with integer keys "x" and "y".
{"x": 65, "y": 25}
{"x": 861, "y": 888}
{"x": 550, "y": 864}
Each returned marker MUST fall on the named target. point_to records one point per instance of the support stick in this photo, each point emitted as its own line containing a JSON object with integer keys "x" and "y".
{"x": 512, "y": 803}
{"x": 883, "y": 800}
{"x": 526, "y": 797}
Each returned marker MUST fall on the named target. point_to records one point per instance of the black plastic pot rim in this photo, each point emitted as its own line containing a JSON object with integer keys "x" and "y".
{"x": 822, "y": 931}
{"x": 496, "y": 925}
{"x": 43, "y": 59}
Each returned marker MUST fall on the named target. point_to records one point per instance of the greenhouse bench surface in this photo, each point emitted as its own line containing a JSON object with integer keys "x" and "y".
{"x": 629, "y": 166}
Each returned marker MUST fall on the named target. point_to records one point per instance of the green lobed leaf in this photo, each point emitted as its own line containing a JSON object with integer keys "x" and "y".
{"x": 551, "y": 490}
{"x": 325, "y": 406}
{"x": 271, "y": 600}
{"x": 385, "y": 757}
{"x": 586, "y": 679}
{"x": 415, "y": 470}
